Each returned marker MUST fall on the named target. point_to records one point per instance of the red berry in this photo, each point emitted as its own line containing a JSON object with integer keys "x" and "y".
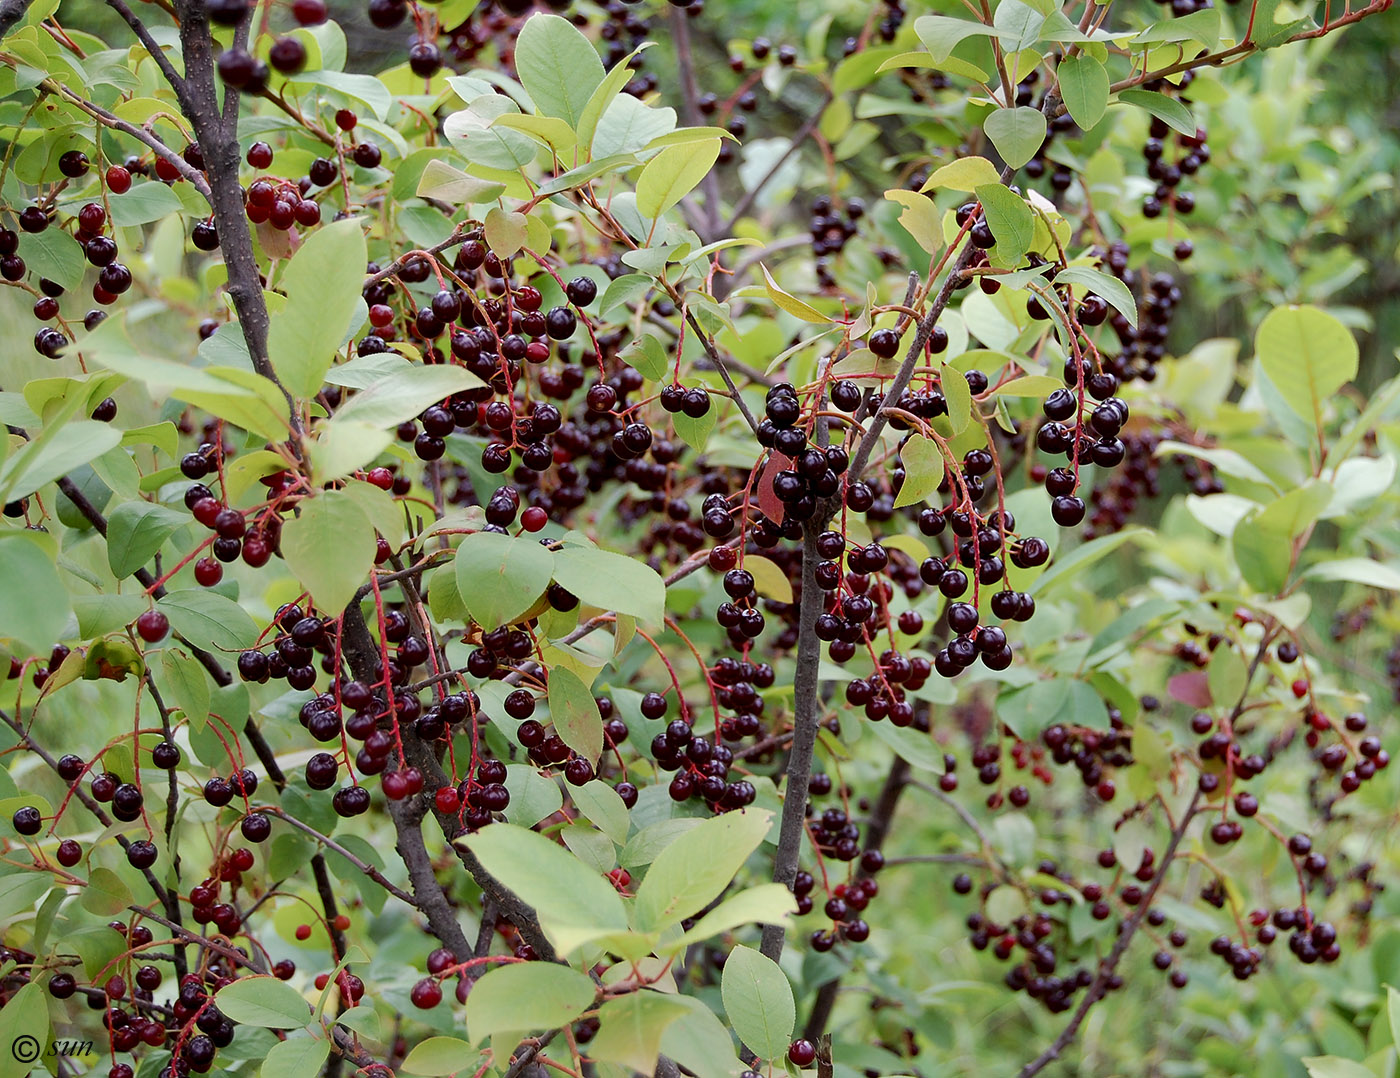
{"x": 426, "y": 994}
{"x": 206, "y": 510}
{"x": 166, "y": 170}
{"x": 118, "y": 180}
{"x": 152, "y": 626}
{"x": 447, "y": 801}
{"x": 208, "y": 572}
{"x": 380, "y": 477}
{"x": 1300, "y": 688}
{"x": 533, "y": 519}
{"x": 309, "y": 12}
{"x": 303, "y": 932}
{"x": 802, "y": 1053}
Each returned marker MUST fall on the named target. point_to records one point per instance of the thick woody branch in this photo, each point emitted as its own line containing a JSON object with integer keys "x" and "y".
{"x": 218, "y": 144}
{"x": 11, "y": 11}
{"x": 363, "y": 656}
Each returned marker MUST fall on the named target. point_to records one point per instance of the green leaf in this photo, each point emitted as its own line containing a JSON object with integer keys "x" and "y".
{"x": 790, "y": 303}
{"x": 548, "y": 130}
{"x": 209, "y": 620}
{"x": 1118, "y": 295}
{"x": 25, "y": 1015}
{"x": 769, "y": 580}
{"x": 694, "y": 869}
{"x": 33, "y": 602}
{"x": 1020, "y": 24}
{"x": 628, "y": 127}
{"x": 959, "y": 397}
{"x": 447, "y": 184}
{"x": 599, "y": 803}
{"x": 1167, "y": 109}
{"x": 363, "y": 1019}
{"x": 239, "y": 396}
{"x": 402, "y": 395}
{"x": 185, "y": 685}
{"x": 612, "y": 582}
{"x": 505, "y": 231}
{"x": 1262, "y": 554}
{"x": 1226, "y": 676}
{"x": 55, "y": 255}
{"x": 135, "y": 531}
{"x": 526, "y": 997}
{"x": 143, "y": 204}
{"x": 322, "y": 283}
{"x": 964, "y": 174}
{"x": 440, "y": 1055}
{"x": 61, "y": 450}
{"x": 532, "y": 795}
{"x": 342, "y": 448}
{"x": 647, "y": 355}
{"x": 1030, "y": 385}
{"x": 105, "y": 893}
{"x": 1308, "y": 355}
{"x": 1335, "y": 1067}
{"x": 1199, "y": 26}
{"x": 1373, "y": 574}
{"x": 329, "y": 546}
{"x": 1084, "y": 88}
{"x": 768, "y": 903}
{"x": 296, "y": 1057}
{"x": 1084, "y": 556}
{"x": 101, "y": 614}
{"x": 1016, "y": 133}
{"x": 911, "y": 745}
{"x": 558, "y": 67}
{"x": 363, "y": 89}
{"x": 577, "y": 177}
{"x": 471, "y": 133}
{"x": 575, "y": 714}
{"x": 923, "y": 470}
{"x": 940, "y": 34}
{"x": 573, "y": 902}
{"x": 919, "y": 217}
{"x": 672, "y": 174}
{"x": 263, "y": 1001}
{"x": 699, "y": 1042}
{"x": 632, "y": 1027}
{"x": 602, "y": 96}
{"x": 696, "y": 432}
{"x": 500, "y": 577}
{"x": 1011, "y": 222}
{"x": 758, "y": 1000}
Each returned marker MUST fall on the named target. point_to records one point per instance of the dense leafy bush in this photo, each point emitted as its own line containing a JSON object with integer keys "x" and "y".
{"x": 618, "y": 543}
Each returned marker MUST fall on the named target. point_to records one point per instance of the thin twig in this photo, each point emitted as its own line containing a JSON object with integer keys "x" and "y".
{"x": 747, "y": 199}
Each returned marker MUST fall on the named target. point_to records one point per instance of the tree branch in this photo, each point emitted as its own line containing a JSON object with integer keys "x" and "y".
{"x": 806, "y": 716}
{"x": 177, "y": 83}
{"x": 877, "y": 829}
{"x": 690, "y": 111}
{"x": 430, "y": 897}
{"x": 748, "y": 197}
{"x": 1099, "y": 988}
{"x": 11, "y": 12}
{"x": 362, "y": 654}
{"x": 218, "y": 143}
